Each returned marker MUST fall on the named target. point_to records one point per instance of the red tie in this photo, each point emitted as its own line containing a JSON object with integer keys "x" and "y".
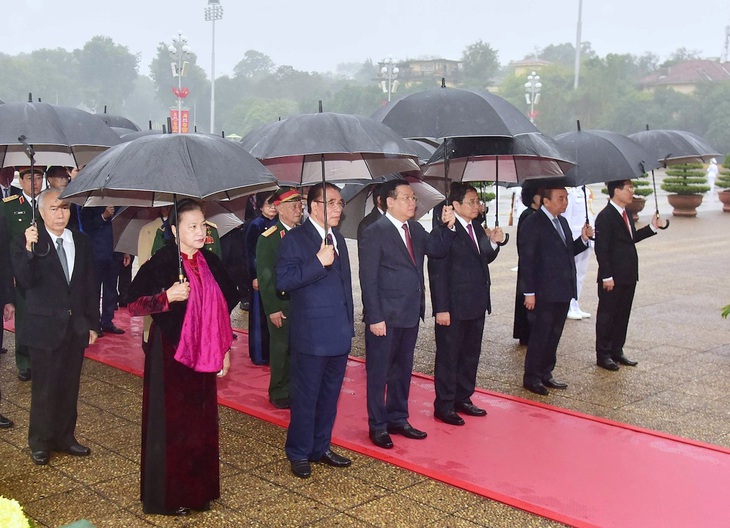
{"x": 626, "y": 220}
{"x": 471, "y": 235}
{"x": 330, "y": 242}
{"x": 409, "y": 242}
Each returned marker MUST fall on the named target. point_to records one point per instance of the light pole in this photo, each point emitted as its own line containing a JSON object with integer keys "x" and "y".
{"x": 179, "y": 52}
{"x": 532, "y": 93}
{"x": 213, "y": 12}
{"x": 389, "y": 72}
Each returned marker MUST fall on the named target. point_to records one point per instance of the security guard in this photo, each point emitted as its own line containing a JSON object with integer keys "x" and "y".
{"x": 17, "y": 213}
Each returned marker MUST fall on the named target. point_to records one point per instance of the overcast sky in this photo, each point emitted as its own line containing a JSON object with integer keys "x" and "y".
{"x": 317, "y": 35}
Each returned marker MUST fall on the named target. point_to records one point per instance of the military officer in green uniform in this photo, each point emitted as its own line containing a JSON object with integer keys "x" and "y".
{"x": 288, "y": 204}
{"x": 17, "y": 213}
{"x": 212, "y": 240}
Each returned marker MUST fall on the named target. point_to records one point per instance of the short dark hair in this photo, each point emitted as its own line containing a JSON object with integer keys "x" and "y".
{"x": 263, "y": 197}
{"x": 390, "y": 190}
{"x": 316, "y": 191}
{"x": 458, "y": 191}
{"x": 613, "y": 185}
{"x": 56, "y": 171}
{"x": 529, "y": 191}
{"x": 376, "y": 190}
{"x": 183, "y": 206}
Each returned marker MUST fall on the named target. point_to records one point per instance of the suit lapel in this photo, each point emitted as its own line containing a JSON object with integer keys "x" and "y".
{"x": 396, "y": 240}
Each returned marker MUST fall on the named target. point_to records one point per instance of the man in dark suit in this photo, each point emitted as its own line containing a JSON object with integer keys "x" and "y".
{"x": 391, "y": 255}
{"x": 313, "y": 267}
{"x": 547, "y": 262}
{"x": 460, "y": 298}
{"x": 618, "y": 273}
{"x": 55, "y": 268}
{"x": 6, "y": 293}
{"x": 377, "y": 211}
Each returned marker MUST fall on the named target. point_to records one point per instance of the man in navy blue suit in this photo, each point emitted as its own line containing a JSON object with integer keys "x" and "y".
{"x": 547, "y": 263}
{"x": 391, "y": 254}
{"x": 313, "y": 267}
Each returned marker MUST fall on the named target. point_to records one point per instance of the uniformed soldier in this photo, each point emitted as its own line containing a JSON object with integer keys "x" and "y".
{"x": 212, "y": 240}
{"x": 17, "y": 213}
{"x": 288, "y": 204}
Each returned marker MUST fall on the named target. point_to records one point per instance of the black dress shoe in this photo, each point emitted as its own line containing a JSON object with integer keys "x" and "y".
{"x": 607, "y": 363}
{"x": 301, "y": 468}
{"x": 333, "y": 459}
{"x": 280, "y": 403}
{"x": 112, "y": 329}
{"x": 449, "y": 417}
{"x": 537, "y": 388}
{"x": 5, "y": 423}
{"x": 99, "y": 332}
{"x": 555, "y": 384}
{"x": 408, "y": 431}
{"x": 77, "y": 450}
{"x": 625, "y": 361}
{"x": 40, "y": 458}
{"x": 469, "y": 408}
{"x": 381, "y": 439}
{"x": 24, "y": 375}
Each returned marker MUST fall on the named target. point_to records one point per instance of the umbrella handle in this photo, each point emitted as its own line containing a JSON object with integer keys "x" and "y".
{"x": 665, "y": 225}
{"x": 504, "y": 242}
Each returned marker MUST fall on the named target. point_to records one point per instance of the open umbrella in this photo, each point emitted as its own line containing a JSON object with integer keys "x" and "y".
{"x": 157, "y": 170}
{"x": 604, "y": 156}
{"x": 59, "y": 135}
{"x": 117, "y": 122}
{"x": 358, "y": 198}
{"x": 307, "y": 149}
{"x": 446, "y": 114}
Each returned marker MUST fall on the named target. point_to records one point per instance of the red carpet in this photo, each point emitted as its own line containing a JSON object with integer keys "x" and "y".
{"x": 573, "y": 468}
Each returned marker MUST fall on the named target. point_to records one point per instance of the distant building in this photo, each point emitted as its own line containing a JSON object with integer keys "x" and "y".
{"x": 525, "y": 67}
{"x": 685, "y": 76}
{"x": 416, "y": 71}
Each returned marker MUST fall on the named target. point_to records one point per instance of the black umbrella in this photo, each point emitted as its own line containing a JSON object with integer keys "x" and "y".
{"x": 670, "y": 147}
{"x": 117, "y": 121}
{"x": 307, "y": 149}
{"x": 157, "y": 170}
{"x": 449, "y": 113}
{"x": 128, "y": 136}
{"x": 603, "y": 156}
{"x": 59, "y": 135}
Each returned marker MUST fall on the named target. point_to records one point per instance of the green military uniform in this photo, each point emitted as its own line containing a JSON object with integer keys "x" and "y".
{"x": 212, "y": 240}
{"x": 17, "y": 213}
{"x": 274, "y": 301}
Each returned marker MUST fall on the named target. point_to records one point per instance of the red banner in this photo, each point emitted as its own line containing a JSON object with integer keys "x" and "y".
{"x": 185, "y": 121}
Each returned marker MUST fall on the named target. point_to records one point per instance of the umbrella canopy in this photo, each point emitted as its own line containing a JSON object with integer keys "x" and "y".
{"x": 117, "y": 121}
{"x": 672, "y": 147}
{"x": 59, "y": 135}
{"x": 452, "y": 112}
{"x": 497, "y": 159}
{"x": 359, "y": 202}
{"x": 308, "y": 148}
{"x": 603, "y": 156}
{"x": 128, "y": 136}
{"x": 129, "y": 221}
{"x": 154, "y": 170}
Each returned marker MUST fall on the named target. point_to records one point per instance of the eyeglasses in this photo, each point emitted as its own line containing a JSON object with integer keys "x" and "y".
{"x": 413, "y": 199}
{"x": 471, "y": 203}
{"x": 334, "y": 203}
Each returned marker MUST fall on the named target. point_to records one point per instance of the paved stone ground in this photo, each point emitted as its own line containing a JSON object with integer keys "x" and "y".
{"x": 680, "y": 387}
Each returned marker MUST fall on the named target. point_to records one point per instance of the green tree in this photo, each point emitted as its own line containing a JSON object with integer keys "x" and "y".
{"x": 254, "y": 65}
{"x": 106, "y": 73}
{"x": 480, "y": 65}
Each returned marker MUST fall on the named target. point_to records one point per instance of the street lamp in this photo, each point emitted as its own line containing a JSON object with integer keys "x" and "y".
{"x": 390, "y": 72}
{"x": 179, "y": 52}
{"x": 213, "y": 12}
{"x": 532, "y": 93}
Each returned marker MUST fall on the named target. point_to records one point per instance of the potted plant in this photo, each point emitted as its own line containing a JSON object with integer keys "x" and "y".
{"x": 686, "y": 184}
{"x": 723, "y": 182}
{"x": 642, "y": 189}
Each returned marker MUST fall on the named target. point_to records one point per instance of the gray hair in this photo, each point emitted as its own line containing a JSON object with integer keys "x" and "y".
{"x": 41, "y": 197}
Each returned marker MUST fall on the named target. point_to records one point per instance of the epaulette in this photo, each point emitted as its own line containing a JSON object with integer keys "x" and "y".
{"x": 11, "y": 198}
{"x": 211, "y": 224}
{"x": 269, "y": 231}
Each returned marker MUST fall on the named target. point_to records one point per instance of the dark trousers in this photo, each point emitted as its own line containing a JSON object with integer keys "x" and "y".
{"x": 315, "y": 387}
{"x": 55, "y": 393}
{"x": 546, "y": 326}
{"x": 612, "y": 319}
{"x": 258, "y": 331}
{"x": 388, "y": 364}
{"x": 107, "y": 273}
{"x": 125, "y": 279}
{"x": 278, "y": 360}
{"x": 458, "y": 347}
{"x": 22, "y": 355}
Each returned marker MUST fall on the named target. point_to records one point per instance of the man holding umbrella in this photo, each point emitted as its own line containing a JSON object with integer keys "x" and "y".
{"x": 18, "y": 212}
{"x": 618, "y": 273}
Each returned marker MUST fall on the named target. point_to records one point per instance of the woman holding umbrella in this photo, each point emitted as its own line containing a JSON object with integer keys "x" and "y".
{"x": 189, "y": 345}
